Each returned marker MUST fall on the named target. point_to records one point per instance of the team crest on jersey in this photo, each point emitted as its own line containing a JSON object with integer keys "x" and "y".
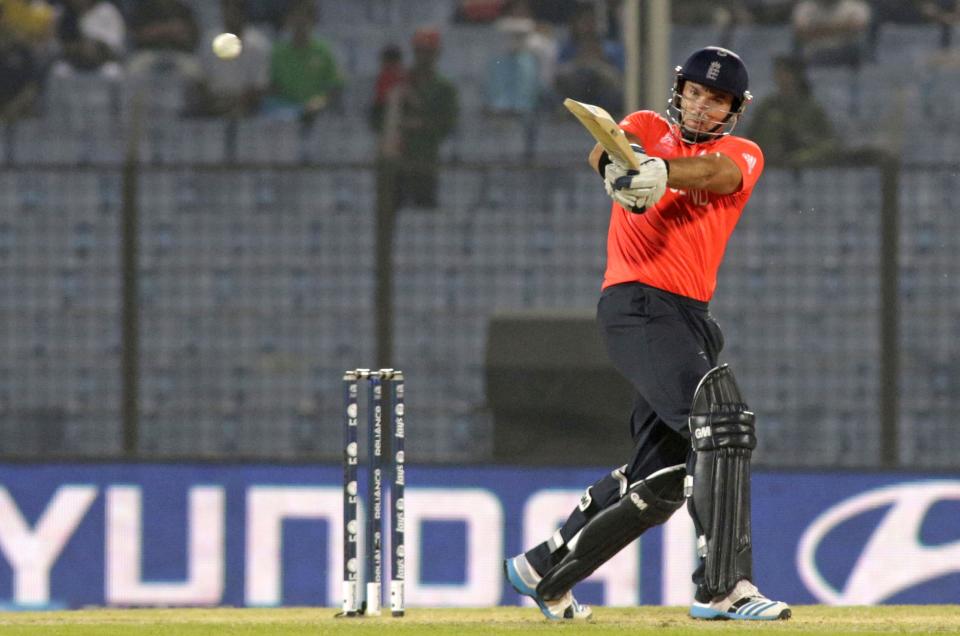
{"x": 667, "y": 141}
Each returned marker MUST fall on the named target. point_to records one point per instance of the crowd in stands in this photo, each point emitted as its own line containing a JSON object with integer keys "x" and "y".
{"x": 418, "y": 109}
{"x": 293, "y": 74}
{"x": 539, "y": 51}
{"x": 790, "y": 125}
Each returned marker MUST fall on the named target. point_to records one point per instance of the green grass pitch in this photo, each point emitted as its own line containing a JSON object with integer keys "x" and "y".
{"x": 637, "y": 621}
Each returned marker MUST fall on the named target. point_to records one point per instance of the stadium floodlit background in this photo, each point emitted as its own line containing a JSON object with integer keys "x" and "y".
{"x": 181, "y": 288}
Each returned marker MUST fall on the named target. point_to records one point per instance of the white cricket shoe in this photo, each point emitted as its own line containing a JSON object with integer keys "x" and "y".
{"x": 524, "y": 580}
{"x": 743, "y": 603}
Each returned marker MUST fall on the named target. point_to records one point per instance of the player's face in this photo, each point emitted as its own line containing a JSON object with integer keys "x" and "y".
{"x": 704, "y": 108}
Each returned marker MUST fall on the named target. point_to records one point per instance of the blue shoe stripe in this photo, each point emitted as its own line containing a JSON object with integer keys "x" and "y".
{"x": 763, "y": 606}
{"x": 745, "y": 609}
{"x": 749, "y": 611}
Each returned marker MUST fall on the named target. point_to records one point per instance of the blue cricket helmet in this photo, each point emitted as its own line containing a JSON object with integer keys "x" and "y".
{"x": 717, "y": 68}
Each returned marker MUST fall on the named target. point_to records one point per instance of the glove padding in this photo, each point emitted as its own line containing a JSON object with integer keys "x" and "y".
{"x": 636, "y": 190}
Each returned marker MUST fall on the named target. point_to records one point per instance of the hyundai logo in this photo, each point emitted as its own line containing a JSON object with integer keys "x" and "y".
{"x": 893, "y": 559}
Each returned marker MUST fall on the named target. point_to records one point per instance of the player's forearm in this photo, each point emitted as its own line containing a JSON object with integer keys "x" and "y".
{"x": 594, "y": 158}
{"x": 714, "y": 173}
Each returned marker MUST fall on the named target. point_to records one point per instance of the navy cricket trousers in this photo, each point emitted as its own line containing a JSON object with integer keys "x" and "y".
{"x": 663, "y": 344}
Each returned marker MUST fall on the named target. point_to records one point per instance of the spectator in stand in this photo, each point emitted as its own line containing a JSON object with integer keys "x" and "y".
{"x": 420, "y": 113}
{"x": 541, "y": 41}
{"x": 790, "y": 125}
{"x": 590, "y": 69}
{"x": 703, "y": 12}
{"x": 945, "y": 13}
{"x": 899, "y": 11}
{"x": 270, "y": 12}
{"x": 390, "y": 75}
{"x": 768, "y": 11}
{"x": 832, "y": 32}
{"x": 513, "y": 75}
{"x": 724, "y": 16}
{"x": 478, "y": 11}
{"x": 233, "y": 88}
{"x": 549, "y": 12}
{"x": 31, "y": 22}
{"x": 92, "y": 35}
{"x": 19, "y": 73}
{"x": 164, "y": 35}
{"x": 583, "y": 29}
{"x": 304, "y": 79}
{"x": 553, "y": 12}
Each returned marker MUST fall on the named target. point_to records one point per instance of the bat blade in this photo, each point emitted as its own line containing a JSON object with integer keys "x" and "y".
{"x": 605, "y": 130}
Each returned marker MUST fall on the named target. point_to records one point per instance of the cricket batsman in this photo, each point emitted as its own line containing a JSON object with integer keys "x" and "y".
{"x": 691, "y": 429}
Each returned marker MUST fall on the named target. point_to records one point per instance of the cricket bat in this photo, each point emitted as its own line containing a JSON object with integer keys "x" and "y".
{"x": 605, "y": 130}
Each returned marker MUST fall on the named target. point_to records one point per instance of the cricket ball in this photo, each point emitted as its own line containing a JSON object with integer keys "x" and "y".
{"x": 227, "y": 46}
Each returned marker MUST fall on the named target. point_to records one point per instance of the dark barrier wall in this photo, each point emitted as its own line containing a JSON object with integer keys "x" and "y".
{"x": 554, "y": 396}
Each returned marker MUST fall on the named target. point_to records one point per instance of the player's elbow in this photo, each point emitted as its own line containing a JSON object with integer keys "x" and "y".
{"x": 725, "y": 183}
{"x": 725, "y": 178}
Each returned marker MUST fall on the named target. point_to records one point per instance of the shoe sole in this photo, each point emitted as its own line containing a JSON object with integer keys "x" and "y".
{"x": 706, "y": 613}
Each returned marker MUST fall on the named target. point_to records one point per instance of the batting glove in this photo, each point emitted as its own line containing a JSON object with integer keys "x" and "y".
{"x": 614, "y": 168}
{"x": 635, "y": 190}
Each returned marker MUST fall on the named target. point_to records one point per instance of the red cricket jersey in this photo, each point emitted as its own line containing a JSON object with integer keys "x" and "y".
{"x": 677, "y": 245}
